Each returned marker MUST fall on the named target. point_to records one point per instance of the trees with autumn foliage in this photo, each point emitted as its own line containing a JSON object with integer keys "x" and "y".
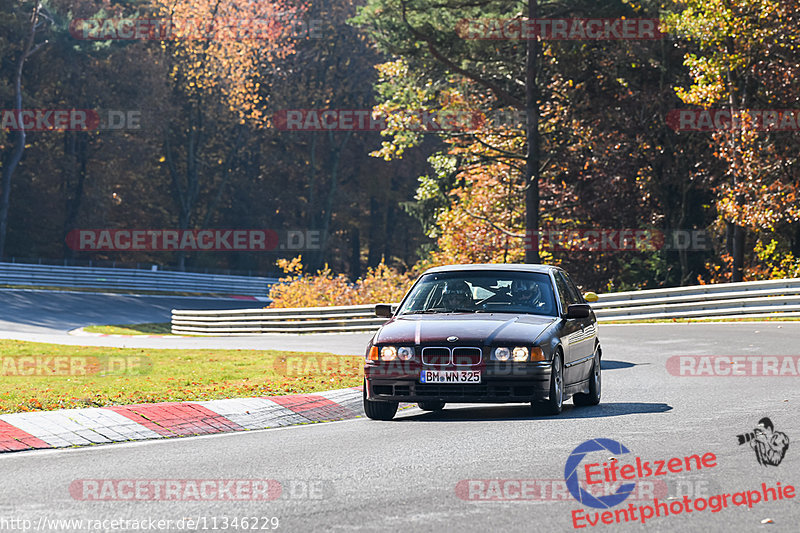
{"x": 608, "y": 157}
{"x": 746, "y": 58}
{"x": 207, "y": 154}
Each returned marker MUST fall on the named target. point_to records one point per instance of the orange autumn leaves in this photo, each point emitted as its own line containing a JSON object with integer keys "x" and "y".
{"x": 380, "y": 284}
{"x": 244, "y": 39}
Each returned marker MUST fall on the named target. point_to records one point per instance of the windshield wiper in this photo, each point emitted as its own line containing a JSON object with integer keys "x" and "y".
{"x": 439, "y": 310}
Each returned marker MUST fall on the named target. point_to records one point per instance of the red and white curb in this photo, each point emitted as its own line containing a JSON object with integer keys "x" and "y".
{"x": 83, "y": 427}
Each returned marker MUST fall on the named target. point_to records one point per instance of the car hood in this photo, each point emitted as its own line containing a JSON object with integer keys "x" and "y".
{"x": 476, "y": 329}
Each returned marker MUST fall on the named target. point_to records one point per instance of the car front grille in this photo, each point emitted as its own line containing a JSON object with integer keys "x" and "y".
{"x": 436, "y": 356}
{"x": 466, "y": 356}
{"x": 459, "y": 355}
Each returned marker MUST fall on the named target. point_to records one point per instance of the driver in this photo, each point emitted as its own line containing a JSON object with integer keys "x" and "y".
{"x": 457, "y": 295}
{"x": 526, "y": 293}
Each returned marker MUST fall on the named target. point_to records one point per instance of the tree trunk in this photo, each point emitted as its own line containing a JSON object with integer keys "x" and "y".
{"x": 388, "y": 239}
{"x": 312, "y": 185}
{"x": 76, "y": 145}
{"x": 738, "y": 237}
{"x": 335, "y": 157}
{"x": 185, "y": 191}
{"x": 376, "y": 215}
{"x": 532, "y": 156}
{"x": 10, "y": 164}
{"x": 355, "y": 256}
{"x": 738, "y": 253}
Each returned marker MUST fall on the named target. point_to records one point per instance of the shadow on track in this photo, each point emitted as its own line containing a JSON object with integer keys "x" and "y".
{"x": 614, "y": 365}
{"x": 495, "y": 413}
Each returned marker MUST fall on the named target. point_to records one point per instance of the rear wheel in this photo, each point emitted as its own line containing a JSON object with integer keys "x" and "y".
{"x": 431, "y": 405}
{"x": 595, "y": 385}
{"x": 378, "y": 410}
{"x": 553, "y": 405}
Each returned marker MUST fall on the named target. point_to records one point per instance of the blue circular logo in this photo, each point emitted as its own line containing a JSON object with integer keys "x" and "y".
{"x": 571, "y": 474}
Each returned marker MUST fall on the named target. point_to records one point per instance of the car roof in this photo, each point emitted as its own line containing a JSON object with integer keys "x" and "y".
{"x": 494, "y": 267}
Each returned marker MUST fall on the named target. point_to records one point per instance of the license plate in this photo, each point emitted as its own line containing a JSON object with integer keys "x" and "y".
{"x": 450, "y": 376}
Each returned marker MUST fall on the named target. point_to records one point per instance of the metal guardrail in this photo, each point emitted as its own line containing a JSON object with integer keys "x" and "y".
{"x": 19, "y": 274}
{"x": 755, "y": 299}
{"x": 294, "y": 320}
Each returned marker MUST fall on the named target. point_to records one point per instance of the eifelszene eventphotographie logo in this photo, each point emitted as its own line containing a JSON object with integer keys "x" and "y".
{"x": 770, "y": 445}
{"x": 631, "y": 472}
{"x": 573, "y": 483}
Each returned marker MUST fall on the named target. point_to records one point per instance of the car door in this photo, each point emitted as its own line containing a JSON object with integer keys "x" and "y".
{"x": 579, "y": 333}
{"x": 570, "y": 328}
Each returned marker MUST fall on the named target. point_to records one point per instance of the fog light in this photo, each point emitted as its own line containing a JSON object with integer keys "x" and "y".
{"x": 520, "y": 353}
{"x": 405, "y": 353}
{"x": 388, "y": 353}
{"x": 502, "y": 353}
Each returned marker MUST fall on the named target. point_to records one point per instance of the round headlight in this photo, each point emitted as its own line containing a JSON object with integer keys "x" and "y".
{"x": 405, "y": 353}
{"x": 388, "y": 353}
{"x": 502, "y": 353}
{"x": 520, "y": 353}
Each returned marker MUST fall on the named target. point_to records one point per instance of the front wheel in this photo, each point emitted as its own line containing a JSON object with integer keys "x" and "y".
{"x": 432, "y": 405}
{"x": 553, "y": 405}
{"x": 378, "y": 410}
{"x": 595, "y": 385}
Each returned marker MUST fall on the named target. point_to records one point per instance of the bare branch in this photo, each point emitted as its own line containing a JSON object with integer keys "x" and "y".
{"x": 495, "y": 226}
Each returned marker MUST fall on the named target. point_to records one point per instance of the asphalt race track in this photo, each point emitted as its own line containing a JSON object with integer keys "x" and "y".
{"x": 403, "y": 475}
{"x": 47, "y": 316}
{"x": 38, "y": 311}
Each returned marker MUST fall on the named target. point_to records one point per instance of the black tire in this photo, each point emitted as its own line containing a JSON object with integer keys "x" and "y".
{"x": 378, "y": 410}
{"x": 595, "y": 385}
{"x": 431, "y": 405}
{"x": 552, "y": 406}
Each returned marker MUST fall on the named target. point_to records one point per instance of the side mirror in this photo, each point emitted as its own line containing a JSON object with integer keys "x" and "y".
{"x": 579, "y": 311}
{"x": 383, "y": 310}
{"x": 591, "y": 297}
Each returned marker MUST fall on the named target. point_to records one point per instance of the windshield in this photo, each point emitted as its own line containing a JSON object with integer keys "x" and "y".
{"x": 476, "y": 292}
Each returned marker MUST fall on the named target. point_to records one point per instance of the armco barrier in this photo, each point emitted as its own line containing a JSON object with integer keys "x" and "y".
{"x": 256, "y": 321}
{"x": 756, "y": 299}
{"x": 19, "y": 274}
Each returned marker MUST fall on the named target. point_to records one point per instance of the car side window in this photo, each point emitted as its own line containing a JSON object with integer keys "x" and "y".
{"x": 576, "y": 293}
{"x": 570, "y": 295}
{"x": 563, "y": 291}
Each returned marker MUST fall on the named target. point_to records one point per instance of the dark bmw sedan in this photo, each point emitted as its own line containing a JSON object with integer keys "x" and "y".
{"x": 495, "y": 333}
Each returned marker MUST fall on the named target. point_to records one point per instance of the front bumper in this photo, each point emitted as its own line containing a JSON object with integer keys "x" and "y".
{"x": 500, "y": 383}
